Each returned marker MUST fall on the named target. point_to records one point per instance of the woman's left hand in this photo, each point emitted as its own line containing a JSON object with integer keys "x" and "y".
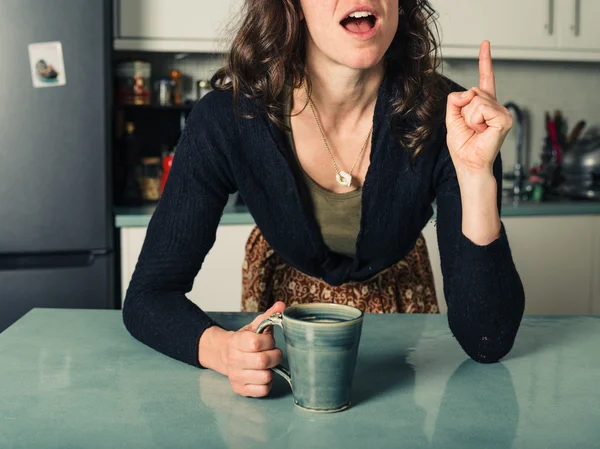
{"x": 476, "y": 123}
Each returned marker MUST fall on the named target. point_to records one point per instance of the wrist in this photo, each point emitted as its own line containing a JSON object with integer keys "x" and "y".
{"x": 212, "y": 349}
{"x": 479, "y": 190}
{"x": 480, "y": 214}
{"x": 475, "y": 179}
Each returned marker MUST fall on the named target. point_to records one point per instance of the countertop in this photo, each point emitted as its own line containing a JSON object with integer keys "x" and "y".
{"x": 75, "y": 379}
{"x": 236, "y": 215}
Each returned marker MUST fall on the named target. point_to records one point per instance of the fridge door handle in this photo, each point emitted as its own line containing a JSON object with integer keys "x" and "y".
{"x": 11, "y": 262}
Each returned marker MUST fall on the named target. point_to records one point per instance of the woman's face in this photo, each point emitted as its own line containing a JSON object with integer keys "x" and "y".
{"x": 355, "y": 42}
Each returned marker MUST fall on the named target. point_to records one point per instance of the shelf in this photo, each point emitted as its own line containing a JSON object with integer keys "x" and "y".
{"x": 155, "y": 107}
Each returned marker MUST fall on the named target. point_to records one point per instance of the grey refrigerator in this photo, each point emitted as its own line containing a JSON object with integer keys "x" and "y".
{"x": 56, "y": 231}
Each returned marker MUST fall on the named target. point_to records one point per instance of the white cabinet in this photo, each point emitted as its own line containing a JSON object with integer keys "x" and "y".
{"x": 518, "y": 29}
{"x": 579, "y": 30}
{"x": 532, "y": 29}
{"x": 173, "y": 25}
{"x": 554, "y": 256}
{"x": 218, "y": 286}
{"x": 558, "y": 259}
{"x": 509, "y": 23}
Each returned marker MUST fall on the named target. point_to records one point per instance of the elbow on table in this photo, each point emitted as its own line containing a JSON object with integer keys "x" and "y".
{"x": 486, "y": 347}
{"x": 489, "y": 353}
{"x": 131, "y": 312}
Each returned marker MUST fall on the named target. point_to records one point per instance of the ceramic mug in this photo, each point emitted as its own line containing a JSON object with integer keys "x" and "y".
{"x": 322, "y": 344}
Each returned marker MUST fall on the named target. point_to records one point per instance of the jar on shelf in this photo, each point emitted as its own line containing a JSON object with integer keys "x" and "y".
{"x": 133, "y": 82}
{"x": 150, "y": 178}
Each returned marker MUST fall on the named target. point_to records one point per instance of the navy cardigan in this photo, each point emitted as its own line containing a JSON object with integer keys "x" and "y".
{"x": 221, "y": 151}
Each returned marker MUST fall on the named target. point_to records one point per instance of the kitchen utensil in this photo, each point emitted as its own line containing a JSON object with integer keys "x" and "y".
{"x": 561, "y": 133}
{"x": 322, "y": 344}
{"x": 576, "y": 132}
{"x": 556, "y": 151}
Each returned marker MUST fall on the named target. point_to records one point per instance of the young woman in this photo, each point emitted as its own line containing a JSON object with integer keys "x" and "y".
{"x": 332, "y": 122}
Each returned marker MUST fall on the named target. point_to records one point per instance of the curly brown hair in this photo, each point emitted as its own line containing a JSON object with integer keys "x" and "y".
{"x": 268, "y": 54}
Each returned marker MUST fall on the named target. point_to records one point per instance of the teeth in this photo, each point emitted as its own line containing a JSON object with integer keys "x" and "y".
{"x": 359, "y": 14}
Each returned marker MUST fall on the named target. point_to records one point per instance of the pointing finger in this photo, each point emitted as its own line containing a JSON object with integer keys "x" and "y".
{"x": 487, "y": 80}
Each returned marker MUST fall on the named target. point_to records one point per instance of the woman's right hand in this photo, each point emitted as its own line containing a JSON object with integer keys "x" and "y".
{"x": 244, "y": 356}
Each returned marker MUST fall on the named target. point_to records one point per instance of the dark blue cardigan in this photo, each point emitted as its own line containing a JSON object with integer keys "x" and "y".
{"x": 221, "y": 151}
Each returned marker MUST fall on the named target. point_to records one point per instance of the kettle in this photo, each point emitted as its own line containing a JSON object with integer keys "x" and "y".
{"x": 581, "y": 168}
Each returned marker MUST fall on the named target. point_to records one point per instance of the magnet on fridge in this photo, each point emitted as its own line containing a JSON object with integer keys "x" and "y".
{"x": 47, "y": 64}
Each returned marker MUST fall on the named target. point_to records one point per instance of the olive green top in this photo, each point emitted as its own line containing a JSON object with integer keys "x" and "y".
{"x": 337, "y": 214}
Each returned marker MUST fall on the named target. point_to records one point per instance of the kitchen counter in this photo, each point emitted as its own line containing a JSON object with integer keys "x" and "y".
{"x": 78, "y": 379}
{"x": 140, "y": 216}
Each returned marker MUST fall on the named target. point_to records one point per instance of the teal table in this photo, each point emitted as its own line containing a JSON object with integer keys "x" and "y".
{"x": 76, "y": 379}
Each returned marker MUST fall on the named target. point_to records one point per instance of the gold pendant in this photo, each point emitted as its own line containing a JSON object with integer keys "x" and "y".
{"x": 344, "y": 179}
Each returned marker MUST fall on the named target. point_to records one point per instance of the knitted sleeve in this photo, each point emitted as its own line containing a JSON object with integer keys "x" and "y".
{"x": 483, "y": 290}
{"x": 180, "y": 234}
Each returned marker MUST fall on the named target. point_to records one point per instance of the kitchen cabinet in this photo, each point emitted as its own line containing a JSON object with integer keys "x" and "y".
{"x": 173, "y": 25}
{"x": 580, "y": 30}
{"x": 532, "y": 30}
{"x": 510, "y": 23}
{"x": 218, "y": 286}
{"x": 558, "y": 259}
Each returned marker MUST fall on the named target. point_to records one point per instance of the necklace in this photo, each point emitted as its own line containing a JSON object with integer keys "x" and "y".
{"x": 343, "y": 178}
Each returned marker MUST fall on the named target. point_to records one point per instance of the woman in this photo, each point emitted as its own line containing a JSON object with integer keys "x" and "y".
{"x": 367, "y": 112}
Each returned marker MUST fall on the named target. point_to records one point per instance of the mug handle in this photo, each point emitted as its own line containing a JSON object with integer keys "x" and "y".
{"x": 275, "y": 320}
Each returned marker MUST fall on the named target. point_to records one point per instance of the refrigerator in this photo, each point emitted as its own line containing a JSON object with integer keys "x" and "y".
{"x": 56, "y": 224}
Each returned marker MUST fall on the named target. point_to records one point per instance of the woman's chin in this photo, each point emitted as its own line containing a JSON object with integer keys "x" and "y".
{"x": 362, "y": 61}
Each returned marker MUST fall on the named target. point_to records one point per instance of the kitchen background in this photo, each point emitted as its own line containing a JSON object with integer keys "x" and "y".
{"x": 536, "y": 86}
{"x": 546, "y": 58}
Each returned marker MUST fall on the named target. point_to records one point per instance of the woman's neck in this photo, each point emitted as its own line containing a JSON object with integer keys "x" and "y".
{"x": 343, "y": 96}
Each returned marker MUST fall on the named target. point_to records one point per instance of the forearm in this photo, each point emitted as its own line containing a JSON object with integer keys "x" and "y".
{"x": 480, "y": 215}
{"x": 166, "y": 322}
{"x": 481, "y": 284}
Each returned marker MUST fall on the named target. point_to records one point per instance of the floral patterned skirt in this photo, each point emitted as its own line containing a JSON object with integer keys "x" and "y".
{"x": 405, "y": 287}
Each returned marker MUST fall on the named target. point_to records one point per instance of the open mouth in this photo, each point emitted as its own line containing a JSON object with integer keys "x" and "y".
{"x": 359, "y": 22}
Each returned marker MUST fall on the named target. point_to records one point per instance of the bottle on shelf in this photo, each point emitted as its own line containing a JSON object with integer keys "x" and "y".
{"x": 167, "y": 162}
{"x": 131, "y": 153}
{"x": 175, "y": 76}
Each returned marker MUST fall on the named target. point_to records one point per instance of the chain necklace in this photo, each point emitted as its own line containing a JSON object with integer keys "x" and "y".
{"x": 343, "y": 178}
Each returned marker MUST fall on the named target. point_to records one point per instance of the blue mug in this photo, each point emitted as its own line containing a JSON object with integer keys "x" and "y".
{"x": 322, "y": 344}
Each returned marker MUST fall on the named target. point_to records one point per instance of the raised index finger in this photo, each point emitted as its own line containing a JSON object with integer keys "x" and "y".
{"x": 487, "y": 80}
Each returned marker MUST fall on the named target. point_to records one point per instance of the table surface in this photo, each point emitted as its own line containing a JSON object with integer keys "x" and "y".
{"x": 74, "y": 379}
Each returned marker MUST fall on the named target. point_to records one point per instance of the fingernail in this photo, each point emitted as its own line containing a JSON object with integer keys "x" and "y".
{"x": 464, "y": 94}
